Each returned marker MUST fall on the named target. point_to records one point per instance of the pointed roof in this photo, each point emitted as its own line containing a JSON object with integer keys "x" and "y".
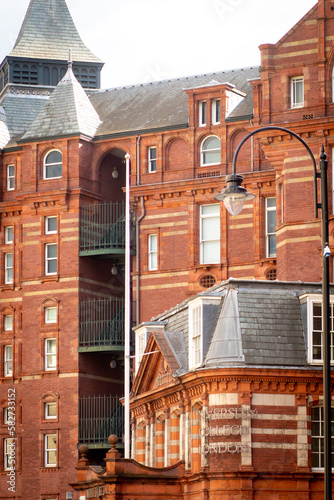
{"x": 48, "y": 32}
{"x": 68, "y": 112}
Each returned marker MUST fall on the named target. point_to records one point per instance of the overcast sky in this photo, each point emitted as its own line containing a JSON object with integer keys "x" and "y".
{"x": 147, "y": 40}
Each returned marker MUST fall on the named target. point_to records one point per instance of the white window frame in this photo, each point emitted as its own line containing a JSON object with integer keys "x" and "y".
{"x": 152, "y": 252}
{"x": 7, "y": 461}
{"x": 9, "y": 269}
{"x": 47, "y": 165}
{"x": 270, "y": 235}
{"x": 47, "y": 450}
{"x": 47, "y": 220}
{"x": 152, "y": 159}
{"x": 49, "y": 316}
{"x": 202, "y": 113}
{"x": 49, "y": 354}
{"x": 312, "y": 299}
{"x": 295, "y": 81}
{"x": 215, "y": 111}
{"x": 215, "y": 235}
{"x": 204, "y": 151}
{"x": 319, "y": 437}
{"x": 50, "y": 259}
{"x": 9, "y": 235}
{"x": 6, "y": 415}
{"x": 47, "y": 406}
{"x": 10, "y": 177}
{"x": 8, "y": 361}
{"x": 8, "y": 322}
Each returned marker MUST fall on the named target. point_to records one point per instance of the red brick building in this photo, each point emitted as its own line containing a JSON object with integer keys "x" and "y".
{"x": 62, "y": 216}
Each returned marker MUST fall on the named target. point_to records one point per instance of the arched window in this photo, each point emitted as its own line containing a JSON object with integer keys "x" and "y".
{"x": 210, "y": 151}
{"x": 53, "y": 164}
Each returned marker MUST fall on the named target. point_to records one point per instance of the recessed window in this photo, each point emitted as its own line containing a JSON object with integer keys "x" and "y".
{"x": 210, "y": 151}
{"x": 6, "y": 415}
{"x": 8, "y": 361}
{"x": 152, "y": 252}
{"x": 51, "y": 225}
{"x": 9, "y": 235}
{"x": 202, "y": 113}
{"x": 270, "y": 227}
{"x": 152, "y": 159}
{"x": 215, "y": 111}
{"x": 8, "y": 268}
{"x": 297, "y": 92}
{"x": 9, "y": 452}
{"x": 50, "y": 410}
{"x": 210, "y": 234}
{"x": 53, "y": 165}
{"x": 10, "y": 177}
{"x": 50, "y": 315}
{"x": 50, "y": 354}
{"x": 317, "y": 436}
{"x": 8, "y": 322}
{"x": 50, "y": 450}
{"x": 51, "y": 258}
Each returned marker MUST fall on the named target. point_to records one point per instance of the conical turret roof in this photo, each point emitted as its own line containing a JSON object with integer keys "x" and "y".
{"x": 68, "y": 112}
{"x": 48, "y": 32}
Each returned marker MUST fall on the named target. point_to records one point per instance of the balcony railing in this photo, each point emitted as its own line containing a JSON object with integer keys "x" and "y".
{"x": 101, "y": 324}
{"x": 100, "y": 416}
{"x": 102, "y": 229}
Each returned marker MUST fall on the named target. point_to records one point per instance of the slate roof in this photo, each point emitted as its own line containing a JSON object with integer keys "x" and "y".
{"x": 164, "y": 104}
{"x": 48, "y": 32}
{"x": 67, "y": 112}
{"x": 123, "y": 110}
{"x": 258, "y": 324}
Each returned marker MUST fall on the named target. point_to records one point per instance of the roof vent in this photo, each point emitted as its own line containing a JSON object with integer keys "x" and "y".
{"x": 207, "y": 281}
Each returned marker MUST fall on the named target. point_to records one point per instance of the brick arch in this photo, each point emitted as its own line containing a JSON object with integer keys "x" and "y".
{"x": 177, "y": 154}
{"x": 112, "y": 159}
{"x": 243, "y": 161}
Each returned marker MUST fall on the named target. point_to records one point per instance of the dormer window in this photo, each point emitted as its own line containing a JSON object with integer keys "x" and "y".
{"x": 141, "y": 337}
{"x": 314, "y": 328}
{"x": 297, "y": 92}
{"x": 202, "y": 114}
{"x": 53, "y": 163}
{"x": 215, "y": 111}
{"x": 202, "y": 314}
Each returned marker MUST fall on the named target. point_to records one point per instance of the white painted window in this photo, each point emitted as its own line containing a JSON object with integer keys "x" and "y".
{"x": 9, "y": 235}
{"x": 152, "y": 252}
{"x": 10, "y": 177}
{"x": 50, "y": 354}
{"x": 270, "y": 227}
{"x": 8, "y": 322}
{"x": 51, "y": 225}
{"x": 51, "y": 258}
{"x": 317, "y": 437}
{"x": 196, "y": 346}
{"x": 314, "y": 327}
{"x": 50, "y": 450}
{"x": 215, "y": 111}
{"x": 53, "y": 165}
{"x": 6, "y": 415}
{"x": 210, "y": 151}
{"x": 8, "y": 268}
{"x": 297, "y": 92}
{"x": 50, "y": 410}
{"x": 50, "y": 315}
{"x": 202, "y": 113}
{"x": 152, "y": 159}
{"x": 8, "y": 361}
{"x": 210, "y": 234}
{"x": 9, "y": 452}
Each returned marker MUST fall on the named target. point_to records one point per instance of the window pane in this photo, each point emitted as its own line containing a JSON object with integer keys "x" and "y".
{"x": 211, "y": 252}
{"x": 8, "y": 322}
{"x": 9, "y": 234}
{"x": 51, "y": 224}
{"x": 53, "y": 157}
{"x": 50, "y": 315}
{"x": 211, "y": 143}
{"x": 211, "y": 157}
{"x": 210, "y": 228}
{"x": 210, "y": 210}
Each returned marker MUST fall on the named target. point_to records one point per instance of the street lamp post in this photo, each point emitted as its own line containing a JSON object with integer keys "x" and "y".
{"x": 234, "y": 197}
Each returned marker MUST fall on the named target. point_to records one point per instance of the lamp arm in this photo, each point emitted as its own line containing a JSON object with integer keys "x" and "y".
{"x": 282, "y": 129}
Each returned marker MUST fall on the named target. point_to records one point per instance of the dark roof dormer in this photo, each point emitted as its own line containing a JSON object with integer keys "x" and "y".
{"x": 40, "y": 53}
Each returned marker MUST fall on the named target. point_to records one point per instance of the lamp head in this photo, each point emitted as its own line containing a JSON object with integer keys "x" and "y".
{"x": 234, "y": 195}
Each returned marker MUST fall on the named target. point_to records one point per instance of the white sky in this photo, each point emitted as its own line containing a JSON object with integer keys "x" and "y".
{"x": 147, "y": 40}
